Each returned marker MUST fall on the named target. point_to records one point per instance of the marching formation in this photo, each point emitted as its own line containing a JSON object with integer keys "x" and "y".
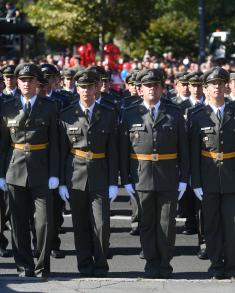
{"x": 76, "y": 144}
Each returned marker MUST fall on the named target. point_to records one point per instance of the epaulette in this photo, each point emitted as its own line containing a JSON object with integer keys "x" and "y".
{"x": 196, "y": 109}
{"x": 231, "y": 104}
{"x": 173, "y": 105}
{"x": 131, "y": 107}
{"x": 49, "y": 99}
{"x": 8, "y": 100}
{"x": 66, "y": 108}
{"x": 107, "y": 107}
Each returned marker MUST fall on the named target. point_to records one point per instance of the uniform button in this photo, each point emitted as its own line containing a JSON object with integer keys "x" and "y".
{"x": 221, "y": 142}
{"x": 154, "y": 139}
{"x": 26, "y": 125}
{"x": 154, "y": 150}
{"x": 26, "y": 134}
{"x": 89, "y": 132}
{"x": 73, "y": 139}
{"x": 221, "y": 163}
{"x": 89, "y": 142}
{"x": 221, "y": 131}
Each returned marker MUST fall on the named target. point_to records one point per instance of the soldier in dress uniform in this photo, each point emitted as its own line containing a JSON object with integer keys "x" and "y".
{"x": 231, "y": 84}
{"x": 154, "y": 164}
{"x": 182, "y": 90}
{"x": 69, "y": 84}
{"x": 212, "y": 129}
{"x": 3, "y": 239}
{"x": 11, "y": 89}
{"x": 89, "y": 173}
{"x": 29, "y": 165}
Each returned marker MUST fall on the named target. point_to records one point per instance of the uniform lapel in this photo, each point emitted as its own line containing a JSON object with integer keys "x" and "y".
{"x": 21, "y": 117}
{"x": 81, "y": 116}
{"x": 35, "y": 109}
{"x": 95, "y": 115}
{"x": 161, "y": 114}
{"x": 212, "y": 115}
{"x": 228, "y": 114}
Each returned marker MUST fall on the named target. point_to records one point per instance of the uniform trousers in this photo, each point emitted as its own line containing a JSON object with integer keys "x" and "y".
{"x": 219, "y": 228}
{"x": 91, "y": 223}
{"x": 3, "y": 239}
{"x": 157, "y": 229}
{"x": 20, "y": 199}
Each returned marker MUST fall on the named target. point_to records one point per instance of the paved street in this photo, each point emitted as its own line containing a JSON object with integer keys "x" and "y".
{"x": 125, "y": 262}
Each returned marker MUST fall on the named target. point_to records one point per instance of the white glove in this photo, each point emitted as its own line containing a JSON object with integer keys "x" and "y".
{"x": 198, "y": 192}
{"x": 113, "y": 192}
{"x": 3, "y": 184}
{"x": 53, "y": 182}
{"x": 63, "y": 192}
{"x": 181, "y": 188}
{"x": 130, "y": 190}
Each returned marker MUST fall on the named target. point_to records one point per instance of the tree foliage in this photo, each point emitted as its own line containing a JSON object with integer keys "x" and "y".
{"x": 158, "y": 25}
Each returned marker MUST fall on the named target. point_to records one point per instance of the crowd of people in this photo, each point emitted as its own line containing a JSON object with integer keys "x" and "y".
{"x": 69, "y": 133}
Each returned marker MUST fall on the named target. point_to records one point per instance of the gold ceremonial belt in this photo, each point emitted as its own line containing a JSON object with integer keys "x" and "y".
{"x": 29, "y": 147}
{"x": 154, "y": 157}
{"x": 218, "y": 156}
{"x": 87, "y": 155}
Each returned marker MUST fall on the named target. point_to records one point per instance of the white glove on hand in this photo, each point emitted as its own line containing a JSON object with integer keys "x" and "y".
{"x": 63, "y": 192}
{"x": 130, "y": 190}
{"x": 53, "y": 182}
{"x": 3, "y": 184}
{"x": 113, "y": 192}
{"x": 181, "y": 188}
{"x": 198, "y": 192}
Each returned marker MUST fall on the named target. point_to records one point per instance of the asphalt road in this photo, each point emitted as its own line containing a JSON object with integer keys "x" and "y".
{"x": 125, "y": 249}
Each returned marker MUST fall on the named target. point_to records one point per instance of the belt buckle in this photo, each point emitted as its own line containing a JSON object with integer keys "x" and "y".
{"x": 89, "y": 155}
{"x": 155, "y": 157}
{"x": 219, "y": 156}
{"x": 27, "y": 147}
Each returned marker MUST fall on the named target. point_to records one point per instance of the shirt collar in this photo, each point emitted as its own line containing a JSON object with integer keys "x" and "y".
{"x": 31, "y": 100}
{"x": 49, "y": 94}
{"x": 215, "y": 109}
{"x": 98, "y": 100}
{"x": 156, "y": 106}
{"x": 194, "y": 101}
{"x": 91, "y": 108}
{"x": 11, "y": 92}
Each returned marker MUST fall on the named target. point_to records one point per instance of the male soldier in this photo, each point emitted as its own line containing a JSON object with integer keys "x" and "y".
{"x": 68, "y": 81}
{"x": 50, "y": 72}
{"x": 182, "y": 90}
{"x": 154, "y": 164}
{"x": 2, "y": 86}
{"x": 10, "y": 81}
{"x": 212, "y": 135}
{"x": 29, "y": 162}
{"x": 133, "y": 98}
{"x": 232, "y": 86}
{"x": 3, "y": 239}
{"x": 89, "y": 168}
{"x": 196, "y": 98}
{"x": 192, "y": 206}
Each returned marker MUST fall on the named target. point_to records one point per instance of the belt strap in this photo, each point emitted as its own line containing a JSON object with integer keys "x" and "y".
{"x": 154, "y": 157}
{"x": 218, "y": 156}
{"x": 29, "y": 147}
{"x": 87, "y": 155}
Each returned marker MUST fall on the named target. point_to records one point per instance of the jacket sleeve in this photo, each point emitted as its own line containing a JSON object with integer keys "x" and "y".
{"x": 112, "y": 151}
{"x": 124, "y": 146}
{"x": 183, "y": 150}
{"x": 4, "y": 146}
{"x": 53, "y": 144}
{"x": 195, "y": 153}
